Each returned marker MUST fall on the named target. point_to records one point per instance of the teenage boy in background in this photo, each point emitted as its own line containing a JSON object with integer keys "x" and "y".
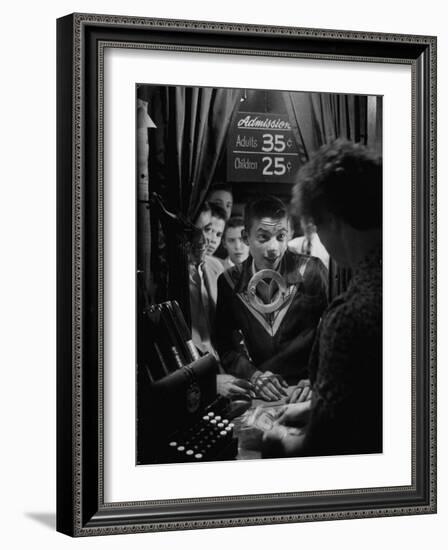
{"x": 234, "y": 243}
{"x": 216, "y": 228}
{"x": 203, "y": 273}
{"x": 277, "y": 342}
{"x": 221, "y": 194}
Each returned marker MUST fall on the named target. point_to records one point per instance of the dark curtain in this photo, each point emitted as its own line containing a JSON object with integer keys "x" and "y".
{"x": 197, "y": 120}
{"x": 320, "y": 118}
{"x": 184, "y": 151}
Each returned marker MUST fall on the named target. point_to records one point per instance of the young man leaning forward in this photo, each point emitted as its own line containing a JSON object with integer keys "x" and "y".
{"x": 269, "y": 306}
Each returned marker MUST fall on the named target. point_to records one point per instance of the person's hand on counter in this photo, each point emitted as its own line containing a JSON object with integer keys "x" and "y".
{"x": 295, "y": 414}
{"x": 232, "y": 387}
{"x": 269, "y": 386}
{"x": 281, "y": 441}
{"x": 302, "y": 392}
{"x": 287, "y": 435}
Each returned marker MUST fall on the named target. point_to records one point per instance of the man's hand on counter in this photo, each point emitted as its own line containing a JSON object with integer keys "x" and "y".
{"x": 295, "y": 414}
{"x": 231, "y": 387}
{"x": 269, "y": 386}
{"x": 282, "y": 441}
{"x": 287, "y": 435}
{"x": 302, "y": 392}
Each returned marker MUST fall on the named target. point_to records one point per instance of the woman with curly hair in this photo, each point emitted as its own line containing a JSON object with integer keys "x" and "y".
{"x": 340, "y": 190}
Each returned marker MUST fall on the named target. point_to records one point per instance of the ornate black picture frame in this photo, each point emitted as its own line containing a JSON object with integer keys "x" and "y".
{"x": 81, "y": 508}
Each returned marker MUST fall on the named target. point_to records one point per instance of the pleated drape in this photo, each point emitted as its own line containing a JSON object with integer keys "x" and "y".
{"x": 184, "y": 152}
{"x": 197, "y": 123}
{"x": 321, "y": 118}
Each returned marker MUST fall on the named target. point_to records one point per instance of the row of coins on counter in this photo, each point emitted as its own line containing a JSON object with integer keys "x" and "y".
{"x": 204, "y": 440}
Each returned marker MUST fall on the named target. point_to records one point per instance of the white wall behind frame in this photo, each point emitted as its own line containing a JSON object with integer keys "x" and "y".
{"x": 27, "y": 405}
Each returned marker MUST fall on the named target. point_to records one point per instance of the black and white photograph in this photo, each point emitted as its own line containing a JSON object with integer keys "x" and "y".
{"x": 222, "y": 242}
{"x": 246, "y": 254}
{"x": 258, "y": 274}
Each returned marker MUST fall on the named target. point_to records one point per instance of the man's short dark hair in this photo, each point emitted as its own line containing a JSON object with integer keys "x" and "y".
{"x": 205, "y": 207}
{"x": 217, "y": 211}
{"x": 220, "y": 186}
{"x": 234, "y": 221}
{"x": 343, "y": 179}
{"x": 266, "y": 206}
